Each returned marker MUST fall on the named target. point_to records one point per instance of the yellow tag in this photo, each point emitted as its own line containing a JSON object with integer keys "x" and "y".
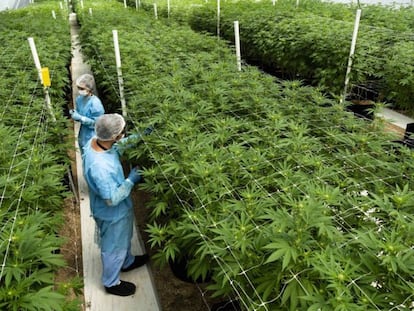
{"x": 45, "y": 76}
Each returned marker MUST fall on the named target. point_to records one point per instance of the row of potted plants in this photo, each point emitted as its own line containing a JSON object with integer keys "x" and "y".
{"x": 33, "y": 159}
{"x": 269, "y": 189}
{"x": 310, "y": 40}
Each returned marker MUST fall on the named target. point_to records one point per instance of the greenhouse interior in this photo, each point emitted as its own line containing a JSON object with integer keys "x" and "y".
{"x": 258, "y": 155}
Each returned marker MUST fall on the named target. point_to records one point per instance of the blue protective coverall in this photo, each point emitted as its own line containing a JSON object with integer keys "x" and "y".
{"x": 111, "y": 207}
{"x": 90, "y": 107}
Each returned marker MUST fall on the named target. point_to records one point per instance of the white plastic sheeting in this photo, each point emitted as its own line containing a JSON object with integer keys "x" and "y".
{"x": 396, "y": 3}
{"x": 12, "y": 4}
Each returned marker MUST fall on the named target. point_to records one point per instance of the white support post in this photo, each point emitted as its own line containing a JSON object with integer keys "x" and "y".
{"x": 39, "y": 70}
{"x": 237, "y": 42}
{"x": 297, "y": 3}
{"x": 61, "y": 5}
{"x": 53, "y": 14}
{"x": 351, "y": 54}
{"x": 90, "y": 11}
{"x": 48, "y": 103}
{"x": 168, "y": 8}
{"x": 81, "y": 4}
{"x": 218, "y": 18}
{"x": 125, "y": 4}
{"x": 274, "y": 2}
{"x": 119, "y": 72}
{"x": 137, "y": 4}
{"x": 155, "y": 11}
{"x": 35, "y": 57}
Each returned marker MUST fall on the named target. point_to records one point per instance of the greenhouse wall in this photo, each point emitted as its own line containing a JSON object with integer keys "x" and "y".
{"x": 381, "y": 2}
{"x": 13, "y": 4}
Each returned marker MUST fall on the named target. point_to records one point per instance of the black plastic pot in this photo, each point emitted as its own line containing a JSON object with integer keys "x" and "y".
{"x": 362, "y": 111}
{"x": 179, "y": 268}
{"x": 228, "y": 305}
{"x": 408, "y": 140}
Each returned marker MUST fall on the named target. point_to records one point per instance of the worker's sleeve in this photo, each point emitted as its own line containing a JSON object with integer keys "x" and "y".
{"x": 95, "y": 110}
{"x": 121, "y": 193}
{"x": 133, "y": 140}
{"x": 103, "y": 178}
{"x": 128, "y": 142}
{"x": 87, "y": 121}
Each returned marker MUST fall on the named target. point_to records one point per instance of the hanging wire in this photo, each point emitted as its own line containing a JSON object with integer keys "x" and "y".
{"x": 25, "y": 175}
{"x": 350, "y": 159}
{"x": 340, "y": 221}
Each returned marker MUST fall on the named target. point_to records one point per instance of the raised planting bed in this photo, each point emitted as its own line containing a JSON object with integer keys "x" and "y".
{"x": 312, "y": 42}
{"x": 33, "y": 160}
{"x": 278, "y": 193}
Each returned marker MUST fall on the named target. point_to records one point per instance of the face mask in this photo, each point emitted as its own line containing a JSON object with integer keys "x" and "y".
{"x": 83, "y": 92}
{"x": 119, "y": 137}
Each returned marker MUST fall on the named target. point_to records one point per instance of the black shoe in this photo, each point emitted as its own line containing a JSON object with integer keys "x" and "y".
{"x": 138, "y": 262}
{"x": 122, "y": 289}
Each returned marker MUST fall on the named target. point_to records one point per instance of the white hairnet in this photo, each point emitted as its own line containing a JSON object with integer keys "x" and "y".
{"x": 86, "y": 81}
{"x": 109, "y": 126}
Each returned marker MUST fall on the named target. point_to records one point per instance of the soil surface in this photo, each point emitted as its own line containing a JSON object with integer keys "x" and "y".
{"x": 173, "y": 293}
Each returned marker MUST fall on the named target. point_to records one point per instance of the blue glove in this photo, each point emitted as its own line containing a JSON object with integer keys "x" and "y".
{"x": 135, "y": 175}
{"x": 75, "y": 115}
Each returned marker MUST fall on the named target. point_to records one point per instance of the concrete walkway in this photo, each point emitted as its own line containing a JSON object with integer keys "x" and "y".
{"x": 395, "y": 118}
{"x": 96, "y": 299}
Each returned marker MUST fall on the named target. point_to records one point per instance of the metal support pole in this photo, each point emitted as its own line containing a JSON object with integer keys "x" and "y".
{"x": 45, "y": 80}
{"x": 39, "y": 70}
{"x": 218, "y": 18}
{"x": 237, "y": 42}
{"x": 119, "y": 72}
{"x": 155, "y": 11}
{"x": 351, "y": 54}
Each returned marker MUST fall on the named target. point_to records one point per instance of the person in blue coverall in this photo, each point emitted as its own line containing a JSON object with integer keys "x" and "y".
{"x": 88, "y": 108}
{"x": 110, "y": 200}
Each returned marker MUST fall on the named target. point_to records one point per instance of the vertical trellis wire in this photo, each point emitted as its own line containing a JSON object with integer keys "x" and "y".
{"x": 22, "y": 186}
{"x": 350, "y": 159}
